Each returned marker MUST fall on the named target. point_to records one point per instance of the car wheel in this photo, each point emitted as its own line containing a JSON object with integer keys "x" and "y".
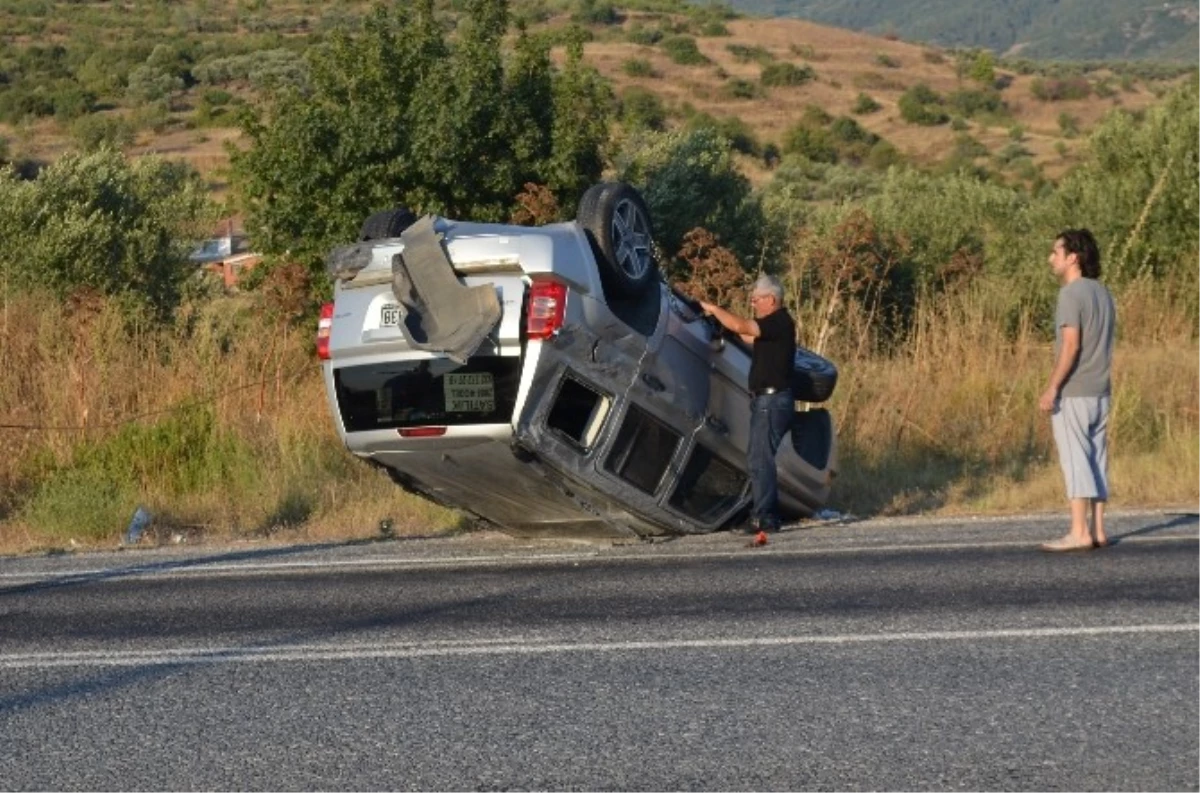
{"x": 385, "y": 225}
{"x": 617, "y": 223}
{"x": 813, "y": 377}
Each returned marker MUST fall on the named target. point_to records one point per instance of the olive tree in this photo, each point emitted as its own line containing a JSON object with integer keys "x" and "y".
{"x": 100, "y": 221}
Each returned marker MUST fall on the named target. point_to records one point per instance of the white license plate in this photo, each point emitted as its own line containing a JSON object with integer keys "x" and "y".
{"x": 469, "y": 392}
{"x": 390, "y": 315}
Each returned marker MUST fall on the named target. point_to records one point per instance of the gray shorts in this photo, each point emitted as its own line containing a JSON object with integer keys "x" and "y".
{"x": 1081, "y": 433}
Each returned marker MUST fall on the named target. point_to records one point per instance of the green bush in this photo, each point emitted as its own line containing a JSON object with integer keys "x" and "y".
{"x": 1068, "y": 125}
{"x": 923, "y": 106}
{"x": 638, "y": 67}
{"x": 807, "y": 52}
{"x": 642, "y": 109}
{"x": 741, "y": 138}
{"x": 786, "y": 74}
{"x": 815, "y": 143}
{"x": 971, "y": 102}
{"x": 98, "y": 131}
{"x": 647, "y": 37}
{"x": 595, "y": 12}
{"x": 102, "y": 222}
{"x": 1056, "y": 90}
{"x": 864, "y": 104}
{"x": 886, "y": 61}
{"x": 683, "y": 50}
{"x": 745, "y": 54}
{"x": 740, "y": 89}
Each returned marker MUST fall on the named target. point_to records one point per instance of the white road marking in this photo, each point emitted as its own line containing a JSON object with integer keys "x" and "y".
{"x": 514, "y": 646}
{"x": 192, "y": 567}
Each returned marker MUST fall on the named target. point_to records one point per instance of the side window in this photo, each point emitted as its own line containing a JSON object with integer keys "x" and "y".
{"x": 578, "y": 413}
{"x": 709, "y": 487}
{"x": 643, "y": 449}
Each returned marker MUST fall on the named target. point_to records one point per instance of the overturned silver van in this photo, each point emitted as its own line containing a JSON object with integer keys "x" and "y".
{"x": 547, "y": 380}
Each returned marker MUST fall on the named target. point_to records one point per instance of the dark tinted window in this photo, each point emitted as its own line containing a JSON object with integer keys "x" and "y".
{"x": 642, "y": 450}
{"x": 709, "y": 487}
{"x": 434, "y": 391}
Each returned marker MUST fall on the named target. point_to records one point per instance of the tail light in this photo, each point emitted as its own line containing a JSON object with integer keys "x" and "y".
{"x": 422, "y": 432}
{"x": 544, "y": 311}
{"x": 324, "y": 328}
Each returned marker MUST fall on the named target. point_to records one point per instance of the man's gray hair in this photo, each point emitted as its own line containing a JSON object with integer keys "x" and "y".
{"x": 769, "y": 285}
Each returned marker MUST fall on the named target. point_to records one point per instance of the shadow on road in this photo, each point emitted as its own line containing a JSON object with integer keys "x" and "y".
{"x": 1179, "y": 519}
{"x": 79, "y": 579}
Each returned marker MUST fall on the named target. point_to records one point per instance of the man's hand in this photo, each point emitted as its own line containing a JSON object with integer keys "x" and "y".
{"x": 1047, "y": 399}
{"x": 706, "y": 307}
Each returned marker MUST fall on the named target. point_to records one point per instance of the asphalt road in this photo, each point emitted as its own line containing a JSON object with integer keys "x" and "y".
{"x": 947, "y": 655}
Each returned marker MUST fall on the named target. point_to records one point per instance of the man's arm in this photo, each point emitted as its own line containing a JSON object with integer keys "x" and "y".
{"x": 742, "y": 326}
{"x": 1062, "y": 367}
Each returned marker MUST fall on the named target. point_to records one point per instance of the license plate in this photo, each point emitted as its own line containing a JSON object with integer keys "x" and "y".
{"x": 390, "y": 315}
{"x": 469, "y": 392}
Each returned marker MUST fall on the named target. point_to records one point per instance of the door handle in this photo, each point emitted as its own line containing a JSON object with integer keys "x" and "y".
{"x": 716, "y": 425}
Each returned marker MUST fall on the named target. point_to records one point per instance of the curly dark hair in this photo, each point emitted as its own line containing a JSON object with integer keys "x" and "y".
{"x": 1081, "y": 243}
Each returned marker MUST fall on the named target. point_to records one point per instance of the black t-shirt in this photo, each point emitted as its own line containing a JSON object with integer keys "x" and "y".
{"x": 774, "y": 352}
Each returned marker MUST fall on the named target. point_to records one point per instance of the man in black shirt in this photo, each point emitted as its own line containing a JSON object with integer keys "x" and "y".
{"x": 773, "y": 336}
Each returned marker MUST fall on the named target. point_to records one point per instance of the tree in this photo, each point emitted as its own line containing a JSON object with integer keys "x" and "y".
{"x": 99, "y": 221}
{"x": 690, "y": 179}
{"x": 399, "y": 115}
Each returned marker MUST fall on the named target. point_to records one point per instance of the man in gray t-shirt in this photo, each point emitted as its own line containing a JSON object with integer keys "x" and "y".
{"x": 1079, "y": 392}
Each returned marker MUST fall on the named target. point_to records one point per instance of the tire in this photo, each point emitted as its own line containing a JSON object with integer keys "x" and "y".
{"x": 386, "y": 225}
{"x": 617, "y": 223}
{"x": 813, "y": 377}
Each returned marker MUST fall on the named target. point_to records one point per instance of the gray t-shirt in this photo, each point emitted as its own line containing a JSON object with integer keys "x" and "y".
{"x": 1086, "y": 304}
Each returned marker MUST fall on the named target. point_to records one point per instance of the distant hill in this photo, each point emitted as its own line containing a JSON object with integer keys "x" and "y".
{"x": 1041, "y": 29}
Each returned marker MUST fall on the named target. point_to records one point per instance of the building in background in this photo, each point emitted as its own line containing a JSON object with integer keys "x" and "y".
{"x": 227, "y": 255}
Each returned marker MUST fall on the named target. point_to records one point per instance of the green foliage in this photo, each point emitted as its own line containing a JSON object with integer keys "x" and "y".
{"x": 923, "y": 106}
{"x": 786, "y": 74}
{"x": 864, "y": 104}
{"x": 683, "y": 50}
{"x": 813, "y": 143}
{"x": 738, "y": 88}
{"x": 645, "y": 36}
{"x": 741, "y": 138}
{"x": 99, "y": 221}
{"x": 887, "y": 61}
{"x": 970, "y": 103}
{"x": 1138, "y": 189}
{"x": 1068, "y": 125}
{"x": 398, "y": 114}
{"x": 96, "y": 131}
{"x": 982, "y": 68}
{"x": 595, "y": 12}
{"x": 638, "y": 67}
{"x": 689, "y": 179}
{"x": 750, "y": 54}
{"x": 184, "y": 453}
{"x": 642, "y": 109}
{"x": 1052, "y": 90}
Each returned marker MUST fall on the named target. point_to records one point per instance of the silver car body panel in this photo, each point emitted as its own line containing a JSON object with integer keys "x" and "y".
{"x": 595, "y": 472}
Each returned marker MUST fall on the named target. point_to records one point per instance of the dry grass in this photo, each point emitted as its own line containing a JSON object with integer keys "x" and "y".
{"x": 951, "y": 424}
{"x": 947, "y": 425}
{"x": 219, "y": 426}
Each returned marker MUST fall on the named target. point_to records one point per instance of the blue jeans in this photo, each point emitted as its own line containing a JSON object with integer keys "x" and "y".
{"x": 770, "y": 418}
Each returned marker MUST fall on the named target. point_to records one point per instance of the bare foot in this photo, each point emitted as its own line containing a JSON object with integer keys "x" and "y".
{"x": 1068, "y": 542}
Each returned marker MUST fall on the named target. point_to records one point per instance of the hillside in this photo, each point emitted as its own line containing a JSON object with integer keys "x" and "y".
{"x": 1042, "y": 29}
{"x": 170, "y": 80}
